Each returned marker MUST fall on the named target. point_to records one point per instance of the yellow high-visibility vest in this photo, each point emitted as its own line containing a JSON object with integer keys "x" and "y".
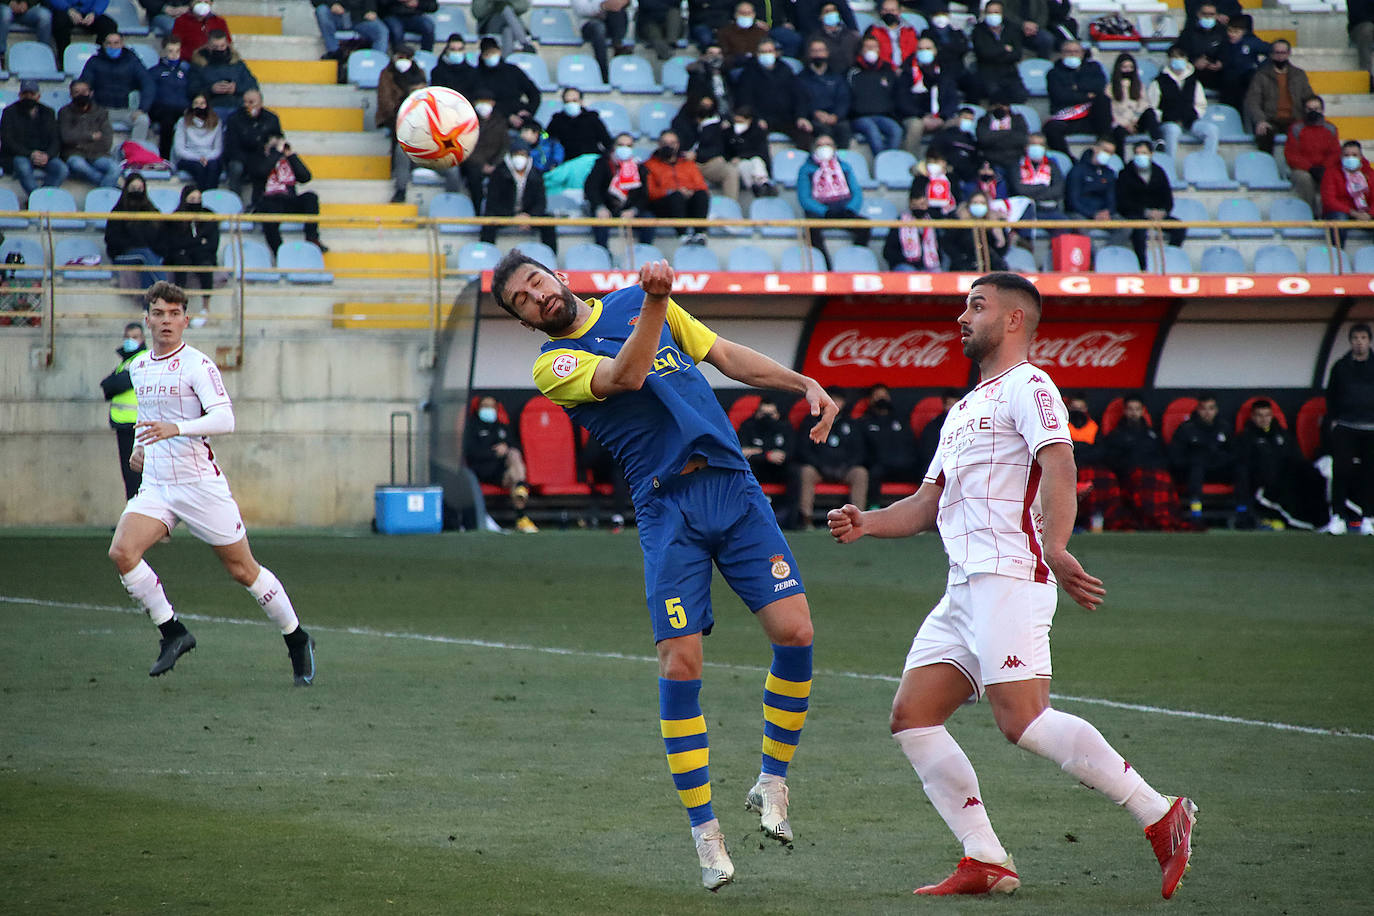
{"x": 124, "y": 406}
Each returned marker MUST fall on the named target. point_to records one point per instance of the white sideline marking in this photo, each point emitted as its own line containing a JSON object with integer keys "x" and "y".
{"x": 621, "y": 656}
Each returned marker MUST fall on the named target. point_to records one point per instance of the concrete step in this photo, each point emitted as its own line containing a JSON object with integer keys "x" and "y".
{"x": 313, "y": 144}
{"x": 247, "y": 24}
{"x": 375, "y": 191}
{"x": 298, "y": 95}
{"x": 374, "y": 264}
{"x": 311, "y": 72}
{"x": 386, "y": 211}
{"x": 1336, "y": 82}
{"x": 280, "y": 47}
{"x": 334, "y": 120}
{"x": 366, "y": 167}
{"x": 383, "y": 316}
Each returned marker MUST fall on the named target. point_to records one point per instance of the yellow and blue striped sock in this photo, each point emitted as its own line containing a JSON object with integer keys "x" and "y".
{"x": 689, "y": 752}
{"x": 786, "y": 695}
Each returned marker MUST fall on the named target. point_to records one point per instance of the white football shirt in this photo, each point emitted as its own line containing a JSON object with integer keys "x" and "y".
{"x": 183, "y": 385}
{"x": 989, "y": 516}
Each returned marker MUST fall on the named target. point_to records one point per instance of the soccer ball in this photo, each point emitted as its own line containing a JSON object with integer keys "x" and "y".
{"x": 436, "y": 127}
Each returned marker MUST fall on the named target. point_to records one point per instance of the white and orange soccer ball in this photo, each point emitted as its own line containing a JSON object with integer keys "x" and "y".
{"x": 436, "y": 127}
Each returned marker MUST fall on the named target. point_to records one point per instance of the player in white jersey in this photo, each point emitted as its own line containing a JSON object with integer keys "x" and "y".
{"x": 181, "y": 401}
{"x": 1001, "y": 490}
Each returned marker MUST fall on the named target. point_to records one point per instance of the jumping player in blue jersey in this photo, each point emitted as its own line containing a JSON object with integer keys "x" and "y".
{"x": 626, "y": 368}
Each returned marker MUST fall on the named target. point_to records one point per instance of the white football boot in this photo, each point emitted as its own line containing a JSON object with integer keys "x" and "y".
{"x": 716, "y": 868}
{"x": 769, "y": 799}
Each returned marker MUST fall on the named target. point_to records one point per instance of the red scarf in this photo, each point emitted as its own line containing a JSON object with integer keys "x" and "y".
{"x": 281, "y": 179}
{"x": 1034, "y": 174}
{"x": 625, "y": 180}
{"x": 828, "y": 184}
{"x": 939, "y": 194}
{"x": 1357, "y": 186}
{"x": 918, "y": 79}
{"x": 918, "y": 243}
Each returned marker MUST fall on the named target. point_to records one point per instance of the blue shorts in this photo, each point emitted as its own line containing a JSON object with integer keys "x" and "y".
{"x": 712, "y": 515}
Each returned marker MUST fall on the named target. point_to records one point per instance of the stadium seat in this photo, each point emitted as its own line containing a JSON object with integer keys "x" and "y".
{"x": 1322, "y": 259}
{"x": 1063, "y": 160}
{"x": 1309, "y": 431}
{"x": 83, "y": 247}
{"x": 1294, "y": 210}
{"x": 165, "y": 199}
{"x": 304, "y": 262}
{"x": 1228, "y": 122}
{"x": 1166, "y": 162}
{"x": 1020, "y": 260}
{"x": 723, "y": 207}
{"x": 1243, "y": 414}
{"x": 256, "y": 261}
{"x": 1207, "y": 172}
{"x": 786, "y": 164}
{"x": 1114, "y": 259}
{"x": 854, "y": 259}
{"x": 742, "y": 408}
{"x": 9, "y": 202}
{"x": 551, "y": 105}
{"x": 31, "y": 60}
{"x": 450, "y": 18}
{"x": 640, "y": 253}
{"x": 1032, "y": 117}
{"x": 451, "y": 205}
{"x": 553, "y": 26}
{"x": 539, "y": 251}
{"x": 926, "y": 409}
{"x": 749, "y": 259}
{"x": 1276, "y": 259}
{"x": 1242, "y": 210}
{"x": 587, "y": 256}
{"x": 695, "y": 258}
{"x": 1190, "y": 209}
{"x": 615, "y": 116}
{"x": 75, "y": 57}
{"x": 1033, "y": 73}
{"x": 147, "y": 55}
{"x": 879, "y": 208}
{"x": 478, "y": 256}
{"x": 537, "y": 71}
{"x": 1259, "y": 172}
{"x": 1148, "y": 68}
{"x": 654, "y": 117}
{"x": 773, "y": 208}
{"x": 633, "y": 75}
{"x": 218, "y": 200}
{"x": 916, "y": 21}
{"x": 1176, "y": 261}
{"x": 1364, "y": 259}
{"x": 796, "y": 260}
{"x": 126, "y": 17}
{"x": 859, "y": 164}
{"x": 365, "y": 67}
{"x": 55, "y": 200}
{"x": 1222, "y": 259}
{"x": 675, "y": 74}
{"x": 31, "y": 251}
{"x": 892, "y": 168}
{"x": 1114, "y": 163}
{"x": 1178, "y": 410}
{"x": 580, "y": 71}
{"x": 550, "y": 448}
{"x": 564, "y": 203}
{"x": 1111, "y": 415}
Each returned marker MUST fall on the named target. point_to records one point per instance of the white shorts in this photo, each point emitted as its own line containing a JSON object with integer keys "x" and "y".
{"x": 994, "y": 629}
{"x": 206, "y": 506}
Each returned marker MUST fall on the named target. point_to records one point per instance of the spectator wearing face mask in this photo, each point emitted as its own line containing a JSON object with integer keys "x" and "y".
{"x": 915, "y": 245}
{"x": 965, "y": 251}
{"x": 245, "y": 137}
{"x": 1313, "y": 146}
{"x": 193, "y": 243}
{"x": 1241, "y": 56}
{"x": 30, "y": 142}
{"x": 957, "y": 144}
{"x": 676, "y": 187}
{"x": 114, "y": 75}
{"x": 768, "y": 442}
{"x": 1079, "y": 103}
{"x": 490, "y": 449}
{"x": 453, "y": 70}
{"x": 118, "y": 389}
{"x": 889, "y": 445}
{"x": 1176, "y": 95}
{"x": 1143, "y": 192}
{"x": 998, "y": 47}
{"x": 1277, "y": 95}
{"x": 171, "y": 78}
{"x": 517, "y": 189}
{"x": 927, "y": 96}
{"x": 1038, "y": 178}
{"x": 129, "y": 241}
{"x": 398, "y": 79}
{"x": 515, "y": 94}
{"x": 220, "y": 74}
{"x": 493, "y": 140}
{"x": 1131, "y": 110}
{"x": 1203, "y": 39}
{"x": 583, "y": 137}
{"x": 840, "y": 37}
{"x": 739, "y": 39}
{"x": 951, "y": 52}
{"x": 193, "y": 27}
{"x": 873, "y": 90}
{"x": 1002, "y": 134}
{"x": 615, "y": 187}
{"x": 706, "y": 79}
{"x": 1346, "y": 190}
{"x": 896, "y": 40}
{"x": 734, "y": 153}
{"x": 1091, "y": 187}
{"x": 277, "y": 176}
{"x": 772, "y": 90}
{"x": 827, "y": 188}
{"x": 198, "y": 145}
{"x": 87, "y": 138}
{"x": 827, "y": 96}
{"x": 936, "y": 184}
{"x": 70, "y": 16}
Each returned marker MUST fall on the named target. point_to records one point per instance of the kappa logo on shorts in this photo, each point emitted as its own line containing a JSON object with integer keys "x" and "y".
{"x": 780, "y": 568}
{"x": 563, "y": 365}
{"x": 1013, "y": 662}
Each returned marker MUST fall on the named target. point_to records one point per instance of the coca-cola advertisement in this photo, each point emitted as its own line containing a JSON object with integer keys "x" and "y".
{"x": 904, "y": 354}
{"x": 1095, "y": 354}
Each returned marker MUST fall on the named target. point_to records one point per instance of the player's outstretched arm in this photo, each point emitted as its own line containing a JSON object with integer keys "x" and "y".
{"x": 632, "y": 365}
{"x": 1059, "y": 500}
{"x": 217, "y": 421}
{"x": 907, "y": 516}
{"x": 751, "y": 367}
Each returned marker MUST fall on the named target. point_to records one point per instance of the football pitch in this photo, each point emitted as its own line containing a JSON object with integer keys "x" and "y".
{"x": 482, "y": 736}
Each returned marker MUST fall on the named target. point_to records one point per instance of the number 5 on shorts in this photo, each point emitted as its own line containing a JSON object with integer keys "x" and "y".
{"x": 677, "y": 617}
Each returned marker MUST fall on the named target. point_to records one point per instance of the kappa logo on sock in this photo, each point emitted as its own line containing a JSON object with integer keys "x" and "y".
{"x": 972, "y": 802}
{"x": 1013, "y": 662}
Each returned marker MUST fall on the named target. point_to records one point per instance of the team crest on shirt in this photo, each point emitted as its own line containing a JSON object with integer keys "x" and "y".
{"x": 633, "y": 320}
{"x": 563, "y": 365}
{"x": 174, "y": 365}
{"x": 780, "y": 568}
{"x": 993, "y": 390}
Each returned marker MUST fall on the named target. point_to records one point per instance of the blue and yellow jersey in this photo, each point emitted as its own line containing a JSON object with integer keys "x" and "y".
{"x": 656, "y": 430}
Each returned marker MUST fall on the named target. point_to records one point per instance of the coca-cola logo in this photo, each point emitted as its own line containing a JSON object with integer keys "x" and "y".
{"x": 1091, "y": 349}
{"x": 920, "y": 349}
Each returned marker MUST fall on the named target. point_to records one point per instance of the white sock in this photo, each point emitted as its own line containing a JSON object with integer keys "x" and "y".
{"x": 145, "y": 587}
{"x": 952, "y": 787}
{"x": 1082, "y": 752}
{"x": 711, "y": 826}
{"x": 766, "y": 778}
{"x": 268, "y": 592}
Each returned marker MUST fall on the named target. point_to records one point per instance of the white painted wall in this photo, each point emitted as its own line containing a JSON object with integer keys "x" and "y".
{"x": 1233, "y": 355}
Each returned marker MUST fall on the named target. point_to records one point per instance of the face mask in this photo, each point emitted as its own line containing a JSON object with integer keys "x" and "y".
{"x": 968, "y": 126}
{"x": 935, "y": 170}
{"x": 486, "y": 414}
{"x": 1178, "y": 64}
{"x": 1078, "y": 418}
{"x": 891, "y": 18}
{"x": 880, "y": 404}
{"x": 483, "y": 109}
{"x": 453, "y": 57}
{"x": 819, "y": 62}
{"x": 1142, "y": 161}
{"x": 201, "y": 9}
{"x": 624, "y": 153}
{"x": 766, "y": 61}
{"x": 744, "y": 22}
{"x": 713, "y": 62}
{"x": 830, "y": 20}
{"x": 1102, "y": 158}
{"x": 113, "y": 53}
{"x": 1073, "y": 63}
{"x": 1036, "y": 152}
{"x": 1001, "y": 111}
{"x": 491, "y": 60}
{"x": 1206, "y": 23}
{"x": 1350, "y": 163}
{"x": 994, "y": 20}
{"x": 1313, "y": 117}
{"x": 81, "y": 101}
{"x": 925, "y": 58}
{"x": 130, "y": 345}
{"x": 520, "y": 161}
{"x": 201, "y": 112}
{"x": 870, "y": 57}
{"x": 741, "y": 126}
{"x": 668, "y": 150}
{"x": 940, "y": 22}
{"x": 1126, "y": 75}
{"x": 825, "y": 153}
{"x": 1280, "y": 64}
{"x": 977, "y": 211}
{"x": 403, "y": 64}
{"x": 572, "y": 109}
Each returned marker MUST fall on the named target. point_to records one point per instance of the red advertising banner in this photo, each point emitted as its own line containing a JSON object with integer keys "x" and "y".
{"x": 1095, "y": 354}
{"x": 904, "y": 354}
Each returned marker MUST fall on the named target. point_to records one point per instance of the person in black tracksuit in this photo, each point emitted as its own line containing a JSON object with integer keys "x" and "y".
{"x": 767, "y": 441}
{"x": 838, "y": 459}
{"x": 1201, "y": 452}
{"x": 1350, "y": 413}
{"x": 1272, "y": 472}
{"x": 889, "y": 445}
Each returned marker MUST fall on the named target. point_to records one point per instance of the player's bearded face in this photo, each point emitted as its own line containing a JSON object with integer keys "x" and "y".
{"x": 557, "y": 311}
{"x": 981, "y": 333}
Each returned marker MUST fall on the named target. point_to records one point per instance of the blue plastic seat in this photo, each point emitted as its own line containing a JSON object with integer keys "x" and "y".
{"x": 1033, "y": 123}
{"x": 304, "y": 262}
{"x": 1242, "y": 209}
{"x": 859, "y": 164}
{"x": 166, "y": 199}
{"x": 749, "y": 259}
{"x": 675, "y": 74}
{"x": 614, "y": 115}
{"x": 1294, "y": 210}
{"x": 1364, "y": 260}
{"x": 147, "y": 55}
{"x": 640, "y": 254}
{"x": 916, "y": 21}
{"x": 581, "y": 72}
{"x": 79, "y": 246}
{"x": 773, "y": 208}
{"x": 1176, "y": 260}
{"x": 365, "y": 66}
{"x": 793, "y": 64}
{"x": 32, "y": 60}
{"x": 633, "y": 75}
{"x": 563, "y": 203}
{"x": 450, "y": 18}
{"x": 75, "y": 57}
{"x": 1020, "y": 260}
{"x": 879, "y": 208}
{"x": 892, "y": 168}
{"x": 126, "y": 16}
{"x": 216, "y": 200}
{"x": 553, "y": 26}
{"x": 1207, "y": 171}
{"x": 1258, "y": 172}
{"x": 426, "y": 60}
{"x": 1148, "y": 70}
{"x": 1323, "y": 259}
{"x": 723, "y": 207}
{"x": 56, "y": 200}
{"x": 1063, "y": 160}
{"x": 256, "y": 266}
{"x": 450, "y": 205}
{"x": 1190, "y": 209}
{"x": 1222, "y": 259}
{"x": 587, "y": 256}
{"x": 1166, "y": 162}
{"x": 32, "y": 253}
{"x": 9, "y": 201}
{"x": 794, "y": 261}
{"x": 786, "y": 164}
{"x": 1033, "y": 73}
{"x": 854, "y": 259}
{"x": 1229, "y": 125}
{"x": 539, "y": 251}
{"x": 478, "y": 256}
{"x": 695, "y": 258}
{"x": 549, "y": 106}
{"x": 1276, "y": 259}
{"x": 655, "y": 117}
{"x": 100, "y": 200}
{"x": 537, "y": 71}
{"x": 1114, "y": 259}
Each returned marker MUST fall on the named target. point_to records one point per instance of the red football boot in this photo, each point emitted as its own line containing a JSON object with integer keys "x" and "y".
{"x": 975, "y": 877}
{"x": 1172, "y": 839}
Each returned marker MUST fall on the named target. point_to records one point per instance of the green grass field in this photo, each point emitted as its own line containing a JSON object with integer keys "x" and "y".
{"x": 483, "y": 737}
